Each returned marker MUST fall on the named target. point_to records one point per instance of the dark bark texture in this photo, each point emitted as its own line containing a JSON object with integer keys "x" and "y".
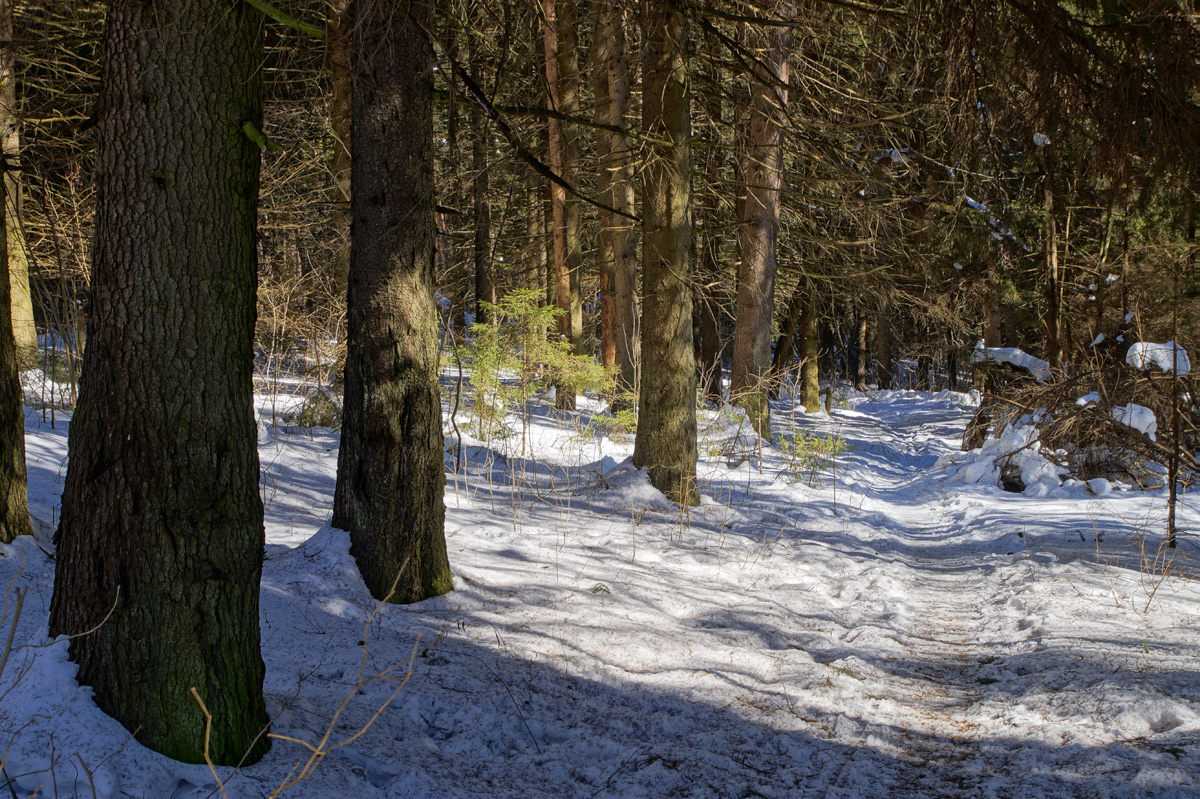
{"x": 666, "y": 431}
{"x": 161, "y": 516}
{"x": 390, "y": 478}
{"x": 14, "y": 503}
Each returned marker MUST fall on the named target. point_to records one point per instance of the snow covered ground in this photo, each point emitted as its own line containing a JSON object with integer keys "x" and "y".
{"x": 873, "y": 629}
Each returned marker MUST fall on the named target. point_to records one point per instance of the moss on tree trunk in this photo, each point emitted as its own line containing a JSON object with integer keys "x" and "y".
{"x": 160, "y": 542}
{"x": 390, "y": 469}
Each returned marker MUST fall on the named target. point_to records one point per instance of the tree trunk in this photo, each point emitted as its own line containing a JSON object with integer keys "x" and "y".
{"x": 618, "y": 240}
{"x": 390, "y": 482}
{"x": 785, "y": 345}
{"x": 1051, "y": 313}
{"x": 861, "y": 353}
{"x": 562, "y": 80}
{"x": 710, "y": 291}
{"x": 952, "y": 368}
{"x": 666, "y": 431}
{"x": 160, "y": 542}
{"x": 481, "y": 245}
{"x": 992, "y": 332}
{"x": 455, "y": 269}
{"x": 21, "y": 299}
{"x": 925, "y": 373}
{"x": 883, "y": 349}
{"x": 810, "y": 344}
{"x": 710, "y": 328}
{"x": 14, "y": 503}
{"x": 762, "y": 170}
{"x": 340, "y": 81}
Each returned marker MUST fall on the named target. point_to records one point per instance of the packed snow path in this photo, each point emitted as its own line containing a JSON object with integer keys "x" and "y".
{"x": 871, "y": 630}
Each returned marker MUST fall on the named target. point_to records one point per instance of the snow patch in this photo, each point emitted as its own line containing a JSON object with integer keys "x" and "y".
{"x": 1144, "y": 354}
{"x": 1011, "y": 355}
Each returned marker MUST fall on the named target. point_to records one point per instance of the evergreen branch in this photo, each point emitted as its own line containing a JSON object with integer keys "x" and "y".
{"x": 274, "y": 13}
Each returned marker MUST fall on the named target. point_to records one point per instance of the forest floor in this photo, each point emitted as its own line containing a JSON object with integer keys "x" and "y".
{"x": 866, "y": 627}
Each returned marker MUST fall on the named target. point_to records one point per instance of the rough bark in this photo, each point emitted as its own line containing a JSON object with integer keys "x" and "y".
{"x": 810, "y": 344}
{"x": 666, "y": 433}
{"x": 160, "y": 541}
{"x": 21, "y": 299}
{"x": 562, "y": 81}
{"x": 14, "y": 503}
{"x": 390, "y": 479}
{"x": 618, "y": 239}
{"x": 762, "y": 170}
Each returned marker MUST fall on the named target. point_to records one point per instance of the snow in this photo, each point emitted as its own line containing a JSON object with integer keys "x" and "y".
{"x": 1040, "y": 140}
{"x": 1035, "y": 366}
{"x": 1016, "y": 448}
{"x": 1144, "y": 354}
{"x": 1139, "y": 417}
{"x": 878, "y": 627}
{"x": 1099, "y": 339}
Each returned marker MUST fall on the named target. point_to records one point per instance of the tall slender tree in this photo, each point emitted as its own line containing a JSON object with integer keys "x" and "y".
{"x": 21, "y": 298}
{"x": 160, "y": 543}
{"x": 390, "y": 480}
{"x": 563, "y": 85}
{"x": 618, "y": 238}
{"x": 762, "y": 168}
{"x": 14, "y": 501}
{"x": 666, "y": 433}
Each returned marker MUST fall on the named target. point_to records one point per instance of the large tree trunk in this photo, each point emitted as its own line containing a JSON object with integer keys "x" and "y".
{"x": 21, "y": 299}
{"x": 666, "y": 431}
{"x": 160, "y": 542}
{"x": 390, "y": 478}
{"x": 618, "y": 240}
{"x": 14, "y": 504}
{"x": 562, "y": 80}
{"x": 810, "y": 346}
{"x": 762, "y": 170}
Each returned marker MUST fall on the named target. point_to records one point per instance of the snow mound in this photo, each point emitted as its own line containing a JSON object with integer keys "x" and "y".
{"x": 1144, "y": 354}
{"x": 1139, "y": 417}
{"x": 960, "y": 399}
{"x": 1011, "y": 355}
{"x": 1016, "y": 449}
